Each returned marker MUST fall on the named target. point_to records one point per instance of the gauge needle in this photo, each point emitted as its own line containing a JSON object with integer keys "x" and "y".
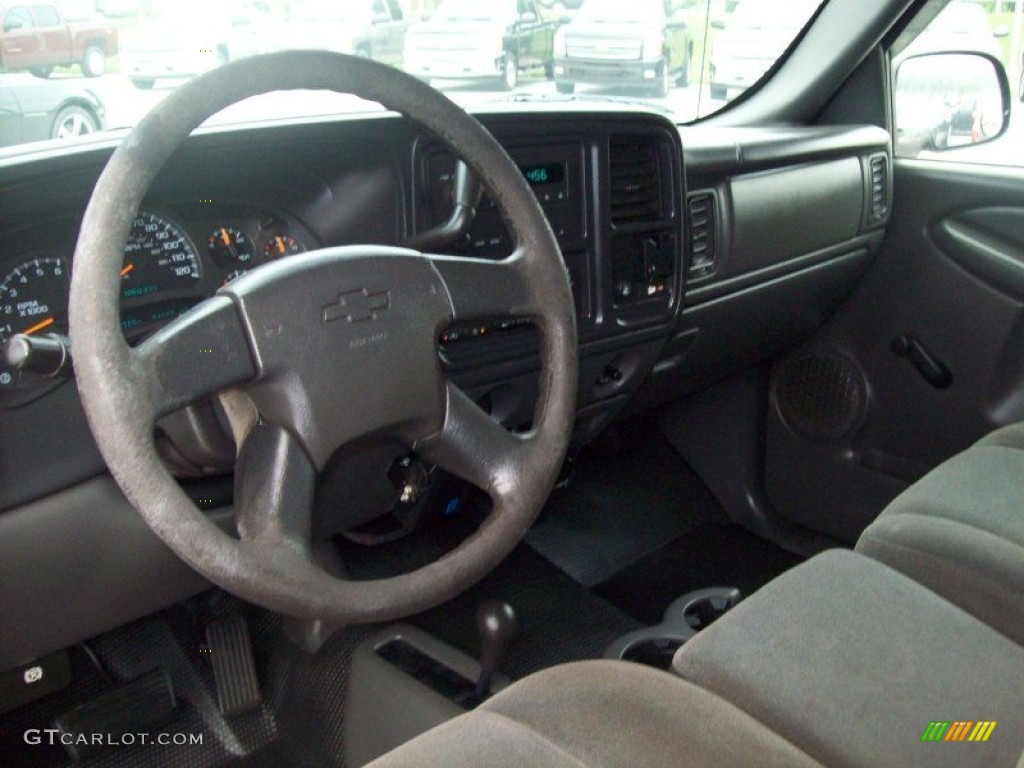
{"x": 128, "y": 268}
{"x": 39, "y": 326}
{"x": 226, "y": 239}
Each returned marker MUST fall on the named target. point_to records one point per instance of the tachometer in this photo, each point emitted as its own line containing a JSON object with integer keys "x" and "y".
{"x": 158, "y": 257}
{"x": 33, "y": 300}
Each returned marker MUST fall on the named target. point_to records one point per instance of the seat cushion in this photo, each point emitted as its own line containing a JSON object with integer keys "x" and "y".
{"x": 960, "y": 532}
{"x": 1007, "y": 437}
{"x": 851, "y": 661}
{"x": 600, "y": 713}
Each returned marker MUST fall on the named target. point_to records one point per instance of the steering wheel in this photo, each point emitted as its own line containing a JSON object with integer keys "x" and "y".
{"x": 331, "y": 346}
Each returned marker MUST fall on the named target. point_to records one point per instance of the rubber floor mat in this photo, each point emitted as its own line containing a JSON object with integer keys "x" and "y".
{"x": 708, "y": 556}
{"x": 621, "y": 506}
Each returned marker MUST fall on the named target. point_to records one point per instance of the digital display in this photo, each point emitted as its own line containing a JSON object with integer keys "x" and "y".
{"x": 540, "y": 175}
{"x": 142, "y": 319}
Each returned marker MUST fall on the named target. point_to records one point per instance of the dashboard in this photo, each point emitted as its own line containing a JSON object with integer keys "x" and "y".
{"x": 687, "y": 251}
{"x": 175, "y": 257}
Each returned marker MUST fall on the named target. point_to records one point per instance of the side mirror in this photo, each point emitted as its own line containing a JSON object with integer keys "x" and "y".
{"x": 1002, "y": 30}
{"x": 381, "y": 18}
{"x": 13, "y": 24}
{"x": 717, "y": 24}
{"x": 563, "y": 20}
{"x": 948, "y": 100}
{"x": 528, "y": 17}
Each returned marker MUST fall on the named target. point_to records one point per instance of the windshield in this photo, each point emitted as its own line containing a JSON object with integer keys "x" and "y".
{"x": 96, "y": 66}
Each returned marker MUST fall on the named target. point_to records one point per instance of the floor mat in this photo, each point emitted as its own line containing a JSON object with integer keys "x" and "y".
{"x": 166, "y": 641}
{"x": 559, "y": 620}
{"x": 622, "y": 505}
{"x": 709, "y": 556}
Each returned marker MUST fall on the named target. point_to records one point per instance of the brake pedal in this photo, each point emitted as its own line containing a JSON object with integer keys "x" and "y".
{"x": 234, "y": 670}
{"x": 139, "y": 706}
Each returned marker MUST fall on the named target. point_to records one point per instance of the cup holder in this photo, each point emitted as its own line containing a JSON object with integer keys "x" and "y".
{"x": 703, "y": 608}
{"x": 656, "y": 646}
{"x": 653, "y": 651}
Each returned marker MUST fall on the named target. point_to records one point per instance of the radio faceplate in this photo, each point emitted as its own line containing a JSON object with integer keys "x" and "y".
{"x": 555, "y": 173}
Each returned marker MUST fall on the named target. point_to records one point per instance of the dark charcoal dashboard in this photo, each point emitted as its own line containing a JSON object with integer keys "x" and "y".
{"x": 692, "y": 254}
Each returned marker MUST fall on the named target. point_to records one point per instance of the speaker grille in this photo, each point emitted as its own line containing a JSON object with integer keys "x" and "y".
{"x": 822, "y": 397}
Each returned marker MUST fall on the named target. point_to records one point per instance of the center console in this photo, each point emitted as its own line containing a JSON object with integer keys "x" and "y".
{"x": 612, "y": 191}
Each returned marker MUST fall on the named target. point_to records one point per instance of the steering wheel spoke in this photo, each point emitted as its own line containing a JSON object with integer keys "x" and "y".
{"x": 274, "y": 486}
{"x": 479, "y": 288}
{"x": 474, "y": 447}
{"x": 203, "y": 352}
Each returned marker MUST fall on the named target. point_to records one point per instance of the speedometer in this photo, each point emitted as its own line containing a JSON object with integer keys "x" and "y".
{"x": 158, "y": 258}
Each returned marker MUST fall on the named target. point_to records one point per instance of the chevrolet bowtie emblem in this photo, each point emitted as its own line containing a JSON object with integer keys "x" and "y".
{"x": 358, "y": 306}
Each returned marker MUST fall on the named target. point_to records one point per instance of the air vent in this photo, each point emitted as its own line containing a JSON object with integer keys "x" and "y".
{"x": 636, "y": 186}
{"x": 879, "y": 188}
{"x": 703, "y": 235}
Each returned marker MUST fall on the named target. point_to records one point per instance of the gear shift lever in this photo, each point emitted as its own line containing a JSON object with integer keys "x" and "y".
{"x": 496, "y": 622}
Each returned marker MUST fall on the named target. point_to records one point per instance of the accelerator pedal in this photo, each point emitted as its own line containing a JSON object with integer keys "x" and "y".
{"x": 234, "y": 670}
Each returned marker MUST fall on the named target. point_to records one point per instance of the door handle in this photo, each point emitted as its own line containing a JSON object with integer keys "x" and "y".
{"x": 931, "y": 368}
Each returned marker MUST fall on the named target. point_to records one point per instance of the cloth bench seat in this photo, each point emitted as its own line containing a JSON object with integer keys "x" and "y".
{"x": 960, "y": 531}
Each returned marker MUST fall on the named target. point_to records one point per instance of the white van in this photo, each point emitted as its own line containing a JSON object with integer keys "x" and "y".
{"x": 754, "y": 36}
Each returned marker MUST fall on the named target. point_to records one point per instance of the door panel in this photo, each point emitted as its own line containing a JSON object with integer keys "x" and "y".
{"x": 987, "y": 243}
{"x": 858, "y": 413}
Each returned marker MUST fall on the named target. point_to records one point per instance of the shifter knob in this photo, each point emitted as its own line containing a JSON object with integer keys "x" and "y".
{"x": 496, "y": 622}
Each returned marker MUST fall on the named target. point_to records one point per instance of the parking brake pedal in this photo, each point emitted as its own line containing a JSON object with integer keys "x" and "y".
{"x": 234, "y": 670}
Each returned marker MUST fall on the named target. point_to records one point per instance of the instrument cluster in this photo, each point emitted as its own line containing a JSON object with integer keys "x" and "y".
{"x": 175, "y": 257}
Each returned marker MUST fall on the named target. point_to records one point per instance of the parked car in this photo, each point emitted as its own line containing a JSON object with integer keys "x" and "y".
{"x": 472, "y": 40}
{"x": 34, "y": 111}
{"x": 371, "y": 28}
{"x": 645, "y": 43}
{"x": 190, "y": 37}
{"x": 755, "y": 34}
{"x": 38, "y": 38}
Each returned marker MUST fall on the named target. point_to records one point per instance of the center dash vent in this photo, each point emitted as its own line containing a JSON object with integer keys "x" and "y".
{"x": 879, "y": 188}
{"x": 636, "y": 184}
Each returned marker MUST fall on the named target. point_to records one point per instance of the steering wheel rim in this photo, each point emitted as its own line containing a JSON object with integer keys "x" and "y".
{"x": 124, "y": 390}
